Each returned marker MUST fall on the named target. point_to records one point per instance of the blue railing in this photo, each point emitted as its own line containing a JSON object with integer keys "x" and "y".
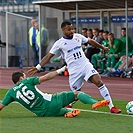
{"x": 16, "y": 2}
{"x": 18, "y": 5}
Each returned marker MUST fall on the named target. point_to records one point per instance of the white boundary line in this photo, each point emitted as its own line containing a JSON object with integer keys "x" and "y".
{"x": 98, "y": 112}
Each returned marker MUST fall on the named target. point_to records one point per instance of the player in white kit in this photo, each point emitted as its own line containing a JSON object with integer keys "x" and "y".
{"x": 79, "y": 67}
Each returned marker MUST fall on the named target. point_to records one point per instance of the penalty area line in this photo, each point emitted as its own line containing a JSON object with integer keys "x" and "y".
{"x": 101, "y": 112}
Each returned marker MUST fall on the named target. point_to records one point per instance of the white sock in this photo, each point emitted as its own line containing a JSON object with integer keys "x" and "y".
{"x": 105, "y": 94}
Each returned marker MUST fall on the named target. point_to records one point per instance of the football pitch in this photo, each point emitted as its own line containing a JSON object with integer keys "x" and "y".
{"x": 16, "y": 119}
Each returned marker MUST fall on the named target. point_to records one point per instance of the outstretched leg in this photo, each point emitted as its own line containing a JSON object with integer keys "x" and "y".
{"x": 96, "y": 79}
{"x": 86, "y": 99}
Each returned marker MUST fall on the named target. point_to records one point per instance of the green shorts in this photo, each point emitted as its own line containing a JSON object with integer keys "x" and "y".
{"x": 58, "y": 102}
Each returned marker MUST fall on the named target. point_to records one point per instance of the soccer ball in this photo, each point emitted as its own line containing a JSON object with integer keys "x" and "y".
{"x": 129, "y": 108}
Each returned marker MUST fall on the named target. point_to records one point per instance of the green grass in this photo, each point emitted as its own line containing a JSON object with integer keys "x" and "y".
{"x": 16, "y": 119}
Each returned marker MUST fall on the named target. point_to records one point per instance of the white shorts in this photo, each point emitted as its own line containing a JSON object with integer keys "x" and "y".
{"x": 76, "y": 80}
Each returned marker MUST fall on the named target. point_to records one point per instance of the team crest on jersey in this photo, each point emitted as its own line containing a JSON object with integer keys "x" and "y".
{"x": 77, "y": 39}
{"x": 114, "y": 47}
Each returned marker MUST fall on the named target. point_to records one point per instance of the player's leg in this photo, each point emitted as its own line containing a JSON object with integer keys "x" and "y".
{"x": 118, "y": 64}
{"x": 113, "y": 61}
{"x": 93, "y": 76}
{"x": 83, "y": 97}
{"x": 124, "y": 63}
{"x": 62, "y": 112}
{"x": 86, "y": 99}
{"x": 68, "y": 113}
{"x": 59, "y": 100}
{"x": 108, "y": 63}
{"x": 96, "y": 79}
{"x": 67, "y": 98}
{"x": 76, "y": 82}
{"x": 62, "y": 99}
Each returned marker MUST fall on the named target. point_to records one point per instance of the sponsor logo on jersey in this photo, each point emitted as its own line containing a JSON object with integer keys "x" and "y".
{"x": 75, "y": 48}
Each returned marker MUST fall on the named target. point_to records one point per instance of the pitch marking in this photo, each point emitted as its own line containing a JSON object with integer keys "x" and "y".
{"x": 98, "y": 112}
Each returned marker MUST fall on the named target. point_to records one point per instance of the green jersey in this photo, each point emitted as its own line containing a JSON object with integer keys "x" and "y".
{"x": 130, "y": 44}
{"x": 116, "y": 47}
{"x": 27, "y": 94}
{"x": 105, "y": 44}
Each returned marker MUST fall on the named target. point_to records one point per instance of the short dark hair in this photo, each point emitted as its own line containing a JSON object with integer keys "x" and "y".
{"x": 85, "y": 29}
{"x": 16, "y": 76}
{"x": 123, "y": 28}
{"x": 107, "y": 32}
{"x": 65, "y": 23}
{"x": 101, "y": 30}
{"x": 90, "y": 30}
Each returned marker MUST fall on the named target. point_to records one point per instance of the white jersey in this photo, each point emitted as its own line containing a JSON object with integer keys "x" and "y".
{"x": 71, "y": 51}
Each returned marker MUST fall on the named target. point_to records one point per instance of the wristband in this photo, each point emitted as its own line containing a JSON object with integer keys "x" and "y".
{"x": 38, "y": 67}
{"x": 59, "y": 71}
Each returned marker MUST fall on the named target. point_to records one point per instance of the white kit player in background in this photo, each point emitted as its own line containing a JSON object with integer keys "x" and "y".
{"x": 79, "y": 68}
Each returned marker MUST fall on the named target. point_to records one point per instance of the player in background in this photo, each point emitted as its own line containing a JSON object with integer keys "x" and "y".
{"x": 79, "y": 67}
{"x": 42, "y": 104}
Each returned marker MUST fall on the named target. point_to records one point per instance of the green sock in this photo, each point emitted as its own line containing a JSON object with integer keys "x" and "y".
{"x": 113, "y": 61}
{"x": 108, "y": 63}
{"x": 102, "y": 65}
{"x": 118, "y": 64}
{"x": 85, "y": 98}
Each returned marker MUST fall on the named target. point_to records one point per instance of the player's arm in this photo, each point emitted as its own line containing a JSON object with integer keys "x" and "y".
{"x": 1, "y": 106}
{"x": 96, "y": 44}
{"x": 51, "y": 75}
{"x": 44, "y": 60}
{"x": 6, "y": 100}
